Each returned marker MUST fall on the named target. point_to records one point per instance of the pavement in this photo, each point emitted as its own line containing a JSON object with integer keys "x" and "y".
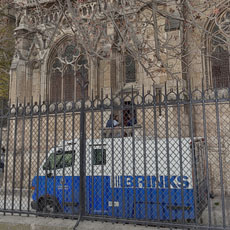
{"x": 40, "y": 223}
{"x": 216, "y": 212}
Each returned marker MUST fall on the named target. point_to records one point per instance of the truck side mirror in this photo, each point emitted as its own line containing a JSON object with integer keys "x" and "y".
{"x": 49, "y": 174}
{"x": 48, "y": 165}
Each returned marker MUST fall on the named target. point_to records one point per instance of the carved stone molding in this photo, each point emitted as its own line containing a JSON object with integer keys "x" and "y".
{"x": 34, "y": 2}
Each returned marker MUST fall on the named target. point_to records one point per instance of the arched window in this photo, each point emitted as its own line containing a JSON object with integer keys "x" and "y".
{"x": 220, "y": 67}
{"x": 65, "y": 72}
{"x": 55, "y": 86}
{"x": 68, "y": 83}
{"x": 130, "y": 69}
{"x": 219, "y": 50}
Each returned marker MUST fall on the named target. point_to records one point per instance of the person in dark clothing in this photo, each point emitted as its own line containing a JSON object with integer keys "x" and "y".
{"x": 115, "y": 121}
{"x": 109, "y": 123}
{"x": 1, "y": 161}
{"x": 131, "y": 120}
{"x": 112, "y": 122}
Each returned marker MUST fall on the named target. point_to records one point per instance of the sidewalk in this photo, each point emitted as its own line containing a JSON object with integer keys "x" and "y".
{"x": 39, "y": 223}
{"x": 15, "y": 222}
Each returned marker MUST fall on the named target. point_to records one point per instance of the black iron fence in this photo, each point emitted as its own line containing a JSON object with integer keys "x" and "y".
{"x": 143, "y": 158}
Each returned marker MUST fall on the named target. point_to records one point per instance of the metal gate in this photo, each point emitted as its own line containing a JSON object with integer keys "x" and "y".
{"x": 150, "y": 158}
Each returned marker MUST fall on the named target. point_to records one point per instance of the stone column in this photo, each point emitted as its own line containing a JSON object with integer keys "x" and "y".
{"x": 36, "y": 81}
{"x": 18, "y": 67}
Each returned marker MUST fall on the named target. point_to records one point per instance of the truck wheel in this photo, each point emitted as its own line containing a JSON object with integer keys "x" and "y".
{"x": 48, "y": 206}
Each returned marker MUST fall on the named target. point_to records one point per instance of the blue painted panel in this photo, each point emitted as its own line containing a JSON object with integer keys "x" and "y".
{"x": 99, "y": 201}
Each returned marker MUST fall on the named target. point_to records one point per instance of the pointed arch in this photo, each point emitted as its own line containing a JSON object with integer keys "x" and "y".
{"x": 64, "y": 64}
{"x": 217, "y": 50}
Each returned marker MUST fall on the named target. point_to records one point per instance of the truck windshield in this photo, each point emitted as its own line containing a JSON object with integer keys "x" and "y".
{"x": 65, "y": 159}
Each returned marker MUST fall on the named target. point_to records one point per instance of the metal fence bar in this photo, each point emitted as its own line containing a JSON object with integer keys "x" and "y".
{"x": 102, "y": 149}
{"x": 30, "y": 152}
{"x": 167, "y": 152}
{"x": 55, "y": 151}
{"x": 14, "y": 154}
{"x": 39, "y": 138}
{"x": 206, "y": 153}
{"x": 2, "y": 115}
{"x": 73, "y": 156}
{"x": 220, "y": 158}
{"x": 156, "y": 151}
{"x": 144, "y": 152}
{"x": 133, "y": 158}
{"x": 92, "y": 149}
{"x": 63, "y": 156}
{"x": 112, "y": 146}
{"x": 82, "y": 155}
{"x": 180, "y": 151}
{"x": 46, "y": 149}
{"x": 7, "y": 157}
{"x": 22, "y": 154}
{"x": 2, "y": 149}
{"x": 193, "y": 150}
{"x": 123, "y": 154}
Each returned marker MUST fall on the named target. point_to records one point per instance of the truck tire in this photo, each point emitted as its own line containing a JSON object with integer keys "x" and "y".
{"x": 48, "y": 205}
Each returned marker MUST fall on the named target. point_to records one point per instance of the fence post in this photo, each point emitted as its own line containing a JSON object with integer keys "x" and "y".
{"x": 83, "y": 83}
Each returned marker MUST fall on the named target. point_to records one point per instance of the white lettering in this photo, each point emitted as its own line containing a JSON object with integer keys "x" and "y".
{"x": 116, "y": 204}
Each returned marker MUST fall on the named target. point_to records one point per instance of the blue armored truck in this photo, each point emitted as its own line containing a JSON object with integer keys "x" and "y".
{"x": 125, "y": 178}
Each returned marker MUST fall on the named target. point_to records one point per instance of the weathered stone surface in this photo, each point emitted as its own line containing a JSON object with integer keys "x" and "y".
{"x": 37, "y": 223}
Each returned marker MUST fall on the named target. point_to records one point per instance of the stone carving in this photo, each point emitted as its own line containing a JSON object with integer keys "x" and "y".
{"x": 36, "y": 65}
{"x": 24, "y": 20}
{"x": 34, "y": 2}
{"x": 224, "y": 23}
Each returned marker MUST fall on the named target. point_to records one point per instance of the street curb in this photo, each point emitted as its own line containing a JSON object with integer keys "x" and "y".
{"x": 34, "y": 223}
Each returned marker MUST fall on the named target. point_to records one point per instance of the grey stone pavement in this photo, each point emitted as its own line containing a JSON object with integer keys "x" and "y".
{"x": 39, "y": 223}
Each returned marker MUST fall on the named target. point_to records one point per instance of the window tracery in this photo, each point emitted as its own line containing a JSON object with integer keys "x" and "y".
{"x": 66, "y": 65}
{"x": 220, "y": 50}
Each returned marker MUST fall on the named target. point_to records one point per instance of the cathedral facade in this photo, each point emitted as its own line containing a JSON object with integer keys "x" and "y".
{"x": 45, "y": 62}
{"x": 178, "y": 50}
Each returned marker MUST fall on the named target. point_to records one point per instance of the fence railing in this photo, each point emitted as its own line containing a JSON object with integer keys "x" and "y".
{"x": 134, "y": 158}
